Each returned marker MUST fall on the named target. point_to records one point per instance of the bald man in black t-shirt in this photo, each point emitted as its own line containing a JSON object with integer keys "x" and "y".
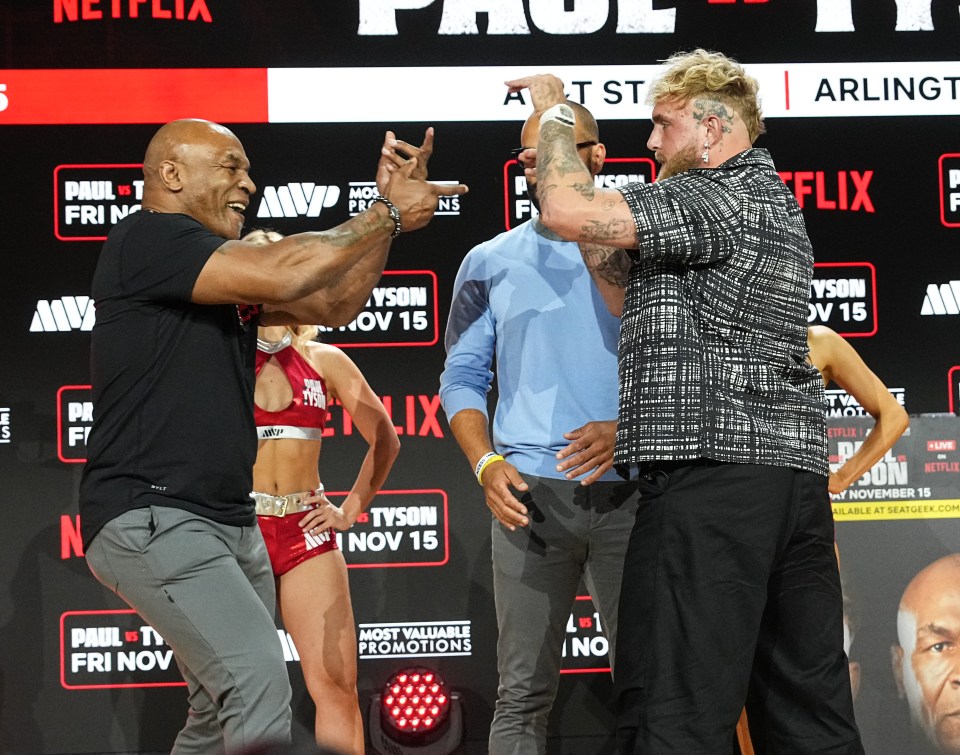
{"x": 167, "y": 520}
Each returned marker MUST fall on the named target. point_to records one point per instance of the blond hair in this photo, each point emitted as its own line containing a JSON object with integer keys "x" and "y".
{"x": 711, "y": 75}
{"x": 301, "y": 334}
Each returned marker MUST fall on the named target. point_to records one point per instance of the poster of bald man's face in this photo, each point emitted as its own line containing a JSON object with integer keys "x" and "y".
{"x": 926, "y": 656}
{"x": 898, "y": 535}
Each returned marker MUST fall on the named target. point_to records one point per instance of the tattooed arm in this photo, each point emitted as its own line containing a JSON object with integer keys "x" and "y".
{"x": 324, "y": 277}
{"x": 609, "y": 268}
{"x": 570, "y": 204}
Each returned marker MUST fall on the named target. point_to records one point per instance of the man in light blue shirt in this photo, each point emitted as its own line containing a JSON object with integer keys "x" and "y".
{"x": 526, "y": 299}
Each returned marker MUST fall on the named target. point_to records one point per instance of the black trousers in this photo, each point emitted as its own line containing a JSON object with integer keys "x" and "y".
{"x": 731, "y": 595}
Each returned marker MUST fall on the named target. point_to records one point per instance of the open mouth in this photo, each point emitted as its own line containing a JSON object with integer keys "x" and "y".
{"x": 237, "y": 207}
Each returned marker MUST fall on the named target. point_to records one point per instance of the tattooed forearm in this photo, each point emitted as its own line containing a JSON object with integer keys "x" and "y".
{"x": 357, "y": 229}
{"x": 545, "y": 190}
{"x": 606, "y": 262}
{"x": 585, "y": 189}
{"x": 557, "y": 152}
{"x": 702, "y": 108}
{"x": 598, "y": 232}
{"x": 571, "y": 203}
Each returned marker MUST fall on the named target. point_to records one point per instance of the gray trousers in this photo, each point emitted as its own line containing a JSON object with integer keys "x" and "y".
{"x": 574, "y": 532}
{"x": 208, "y": 589}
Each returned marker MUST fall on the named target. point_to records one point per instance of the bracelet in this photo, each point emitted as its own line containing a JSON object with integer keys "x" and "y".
{"x": 486, "y": 460}
{"x": 394, "y": 214}
{"x": 560, "y": 113}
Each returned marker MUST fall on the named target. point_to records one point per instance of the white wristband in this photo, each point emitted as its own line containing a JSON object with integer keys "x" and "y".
{"x": 560, "y": 113}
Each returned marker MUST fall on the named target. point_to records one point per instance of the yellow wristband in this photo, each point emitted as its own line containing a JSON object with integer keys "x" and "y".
{"x": 486, "y": 460}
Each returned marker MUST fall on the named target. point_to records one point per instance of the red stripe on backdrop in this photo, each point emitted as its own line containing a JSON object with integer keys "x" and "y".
{"x": 157, "y": 95}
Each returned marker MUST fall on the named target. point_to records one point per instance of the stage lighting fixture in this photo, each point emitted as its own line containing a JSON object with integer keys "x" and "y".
{"x": 415, "y": 714}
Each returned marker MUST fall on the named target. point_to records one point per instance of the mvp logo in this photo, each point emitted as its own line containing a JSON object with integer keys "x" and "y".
{"x": 63, "y": 315}
{"x": 297, "y": 200}
{"x": 943, "y": 299}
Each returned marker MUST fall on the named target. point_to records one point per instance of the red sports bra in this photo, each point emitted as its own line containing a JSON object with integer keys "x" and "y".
{"x": 306, "y": 414}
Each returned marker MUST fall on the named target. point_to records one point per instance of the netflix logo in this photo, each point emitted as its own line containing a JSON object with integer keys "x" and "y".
{"x": 828, "y": 190}
{"x": 96, "y": 10}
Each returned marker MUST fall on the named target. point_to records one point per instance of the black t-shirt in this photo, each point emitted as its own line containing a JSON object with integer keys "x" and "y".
{"x": 172, "y": 381}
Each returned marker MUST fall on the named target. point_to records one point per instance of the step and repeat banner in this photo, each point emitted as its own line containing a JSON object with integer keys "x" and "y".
{"x": 863, "y": 106}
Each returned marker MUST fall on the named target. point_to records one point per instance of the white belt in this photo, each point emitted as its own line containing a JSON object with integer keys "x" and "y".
{"x": 281, "y": 505}
{"x": 272, "y": 432}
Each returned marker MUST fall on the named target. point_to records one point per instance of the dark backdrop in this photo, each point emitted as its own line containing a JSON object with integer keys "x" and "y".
{"x": 877, "y": 194}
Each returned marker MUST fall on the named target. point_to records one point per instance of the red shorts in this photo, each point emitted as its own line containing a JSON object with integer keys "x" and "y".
{"x": 288, "y": 545}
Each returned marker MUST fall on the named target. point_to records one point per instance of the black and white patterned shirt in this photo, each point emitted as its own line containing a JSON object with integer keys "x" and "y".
{"x": 713, "y": 339}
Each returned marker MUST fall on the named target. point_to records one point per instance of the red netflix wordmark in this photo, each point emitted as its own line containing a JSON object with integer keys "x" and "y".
{"x": 416, "y": 415}
{"x": 831, "y": 191}
{"x": 88, "y": 10}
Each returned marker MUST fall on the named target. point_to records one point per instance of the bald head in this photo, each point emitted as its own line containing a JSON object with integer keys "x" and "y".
{"x": 198, "y": 168}
{"x": 586, "y": 129}
{"x": 586, "y": 133}
{"x": 938, "y": 581}
{"x": 172, "y": 139}
{"x": 926, "y": 665}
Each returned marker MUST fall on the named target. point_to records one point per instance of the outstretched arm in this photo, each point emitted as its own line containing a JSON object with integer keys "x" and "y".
{"x": 324, "y": 277}
{"x": 570, "y": 203}
{"x": 345, "y": 382}
{"x": 838, "y": 361}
